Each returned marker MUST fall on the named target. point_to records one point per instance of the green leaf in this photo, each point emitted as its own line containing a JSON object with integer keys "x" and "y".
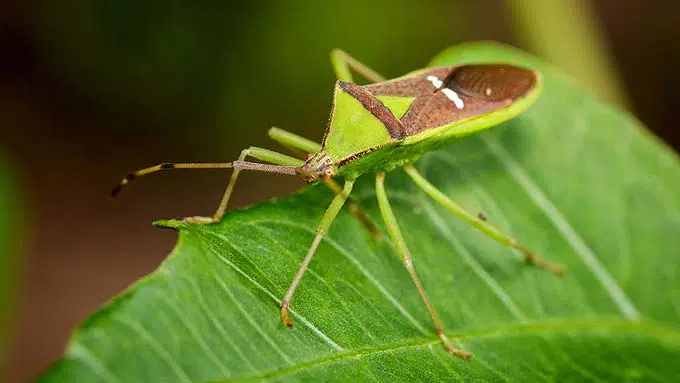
{"x": 579, "y": 182}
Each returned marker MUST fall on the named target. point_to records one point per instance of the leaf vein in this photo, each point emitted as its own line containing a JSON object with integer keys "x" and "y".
{"x": 573, "y": 238}
{"x": 83, "y": 353}
{"x": 567, "y": 325}
{"x": 301, "y": 318}
{"x": 151, "y": 341}
{"x": 250, "y": 320}
{"x": 360, "y": 267}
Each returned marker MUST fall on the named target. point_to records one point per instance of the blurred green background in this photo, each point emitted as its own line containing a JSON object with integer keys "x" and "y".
{"x": 90, "y": 90}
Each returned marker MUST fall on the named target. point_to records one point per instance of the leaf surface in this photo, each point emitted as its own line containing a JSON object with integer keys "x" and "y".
{"x": 579, "y": 182}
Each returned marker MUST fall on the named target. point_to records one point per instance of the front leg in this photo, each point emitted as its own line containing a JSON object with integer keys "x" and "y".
{"x": 356, "y": 211}
{"x": 307, "y": 146}
{"x": 321, "y": 230}
{"x": 255, "y": 152}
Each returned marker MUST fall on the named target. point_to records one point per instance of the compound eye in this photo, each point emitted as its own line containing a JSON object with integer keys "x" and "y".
{"x": 328, "y": 172}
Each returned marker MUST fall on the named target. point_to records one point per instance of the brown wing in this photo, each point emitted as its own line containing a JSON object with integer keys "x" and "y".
{"x": 446, "y": 95}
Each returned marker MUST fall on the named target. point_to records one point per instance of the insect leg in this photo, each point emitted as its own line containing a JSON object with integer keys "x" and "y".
{"x": 479, "y": 223}
{"x": 282, "y": 164}
{"x": 356, "y": 210}
{"x": 321, "y": 230}
{"x": 405, "y": 255}
{"x": 343, "y": 62}
{"x": 293, "y": 141}
{"x": 255, "y": 152}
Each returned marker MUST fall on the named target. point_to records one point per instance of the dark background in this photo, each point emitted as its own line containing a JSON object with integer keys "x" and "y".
{"x": 90, "y": 90}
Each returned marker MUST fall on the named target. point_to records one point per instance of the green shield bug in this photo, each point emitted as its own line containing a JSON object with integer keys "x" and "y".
{"x": 378, "y": 127}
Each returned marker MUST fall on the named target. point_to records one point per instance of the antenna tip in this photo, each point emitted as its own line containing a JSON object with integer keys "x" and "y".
{"x": 116, "y": 190}
{"x": 126, "y": 180}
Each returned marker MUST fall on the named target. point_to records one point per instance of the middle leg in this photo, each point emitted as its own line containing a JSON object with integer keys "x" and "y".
{"x": 405, "y": 255}
{"x": 479, "y": 222}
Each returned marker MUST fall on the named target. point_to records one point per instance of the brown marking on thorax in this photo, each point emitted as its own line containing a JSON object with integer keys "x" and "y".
{"x": 376, "y": 108}
{"x": 447, "y": 95}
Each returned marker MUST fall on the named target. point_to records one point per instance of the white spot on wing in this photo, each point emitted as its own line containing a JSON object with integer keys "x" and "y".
{"x": 449, "y": 93}
{"x": 453, "y": 96}
{"x": 435, "y": 81}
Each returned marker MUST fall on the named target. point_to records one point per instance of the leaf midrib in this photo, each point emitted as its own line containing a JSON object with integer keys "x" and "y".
{"x": 567, "y": 325}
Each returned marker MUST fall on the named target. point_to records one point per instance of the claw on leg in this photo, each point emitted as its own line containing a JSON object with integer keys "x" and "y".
{"x": 480, "y": 223}
{"x": 452, "y": 350}
{"x": 284, "y": 314}
{"x": 531, "y": 259}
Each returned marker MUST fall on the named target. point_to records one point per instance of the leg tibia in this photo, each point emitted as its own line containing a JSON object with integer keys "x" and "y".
{"x": 405, "y": 255}
{"x": 321, "y": 230}
{"x": 270, "y": 156}
{"x": 477, "y": 222}
{"x": 356, "y": 210}
{"x": 293, "y": 141}
{"x": 258, "y": 153}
